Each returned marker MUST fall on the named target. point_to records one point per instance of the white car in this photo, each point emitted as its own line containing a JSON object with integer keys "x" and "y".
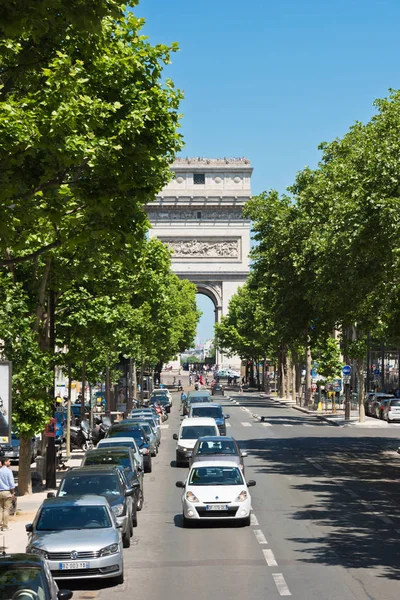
{"x": 189, "y": 433}
{"x": 215, "y": 490}
{"x": 123, "y": 441}
{"x": 228, "y": 373}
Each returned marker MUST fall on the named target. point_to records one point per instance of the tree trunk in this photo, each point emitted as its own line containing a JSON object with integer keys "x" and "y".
{"x": 290, "y": 385}
{"x": 24, "y": 469}
{"x": 294, "y": 374}
{"x": 298, "y": 382}
{"x": 68, "y": 435}
{"x": 360, "y": 371}
{"x": 283, "y": 374}
{"x": 308, "y": 376}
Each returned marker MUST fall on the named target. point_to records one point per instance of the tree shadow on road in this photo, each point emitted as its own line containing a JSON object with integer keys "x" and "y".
{"x": 351, "y": 490}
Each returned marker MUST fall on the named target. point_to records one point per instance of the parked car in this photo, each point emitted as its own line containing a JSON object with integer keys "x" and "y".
{"x": 373, "y": 402}
{"x": 12, "y": 450}
{"x": 391, "y": 411}
{"x": 195, "y": 396}
{"x": 218, "y": 390}
{"x": 140, "y": 437}
{"x": 147, "y": 416}
{"x": 127, "y": 442}
{"x": 223, "y": 448}
{"x": 215, "y": 491}
{"x": 212, "y": 410}
{"x": 380, "y": 407}
{"x": 189, "y": 433}
{"x": 21, "y": 573}
{"x": 78, "y": 537}
{"x": 150, "y": 432}
{"x": 120, "y": 457}
{"x": 109, "y": 482}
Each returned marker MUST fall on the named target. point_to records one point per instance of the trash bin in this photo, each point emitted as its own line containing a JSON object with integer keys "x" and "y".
{"x": 41, "y": 466}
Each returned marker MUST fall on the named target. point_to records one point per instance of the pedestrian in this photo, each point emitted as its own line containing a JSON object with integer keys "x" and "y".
{"x": 7, "y": 489}
{"x": 240, "y": 388}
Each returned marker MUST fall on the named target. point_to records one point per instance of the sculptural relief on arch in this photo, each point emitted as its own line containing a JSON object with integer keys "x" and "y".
{"x": 199, "y": 216}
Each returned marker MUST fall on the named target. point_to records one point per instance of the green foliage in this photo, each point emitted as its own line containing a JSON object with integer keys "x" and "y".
{"x": 327, "y": 358}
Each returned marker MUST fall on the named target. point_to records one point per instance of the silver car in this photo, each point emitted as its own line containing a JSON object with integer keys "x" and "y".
{"x": 79, "y": 538}
{"x": 127, "y": 442}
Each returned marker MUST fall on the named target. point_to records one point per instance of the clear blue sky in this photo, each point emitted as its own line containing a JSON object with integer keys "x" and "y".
{"x": 271, "y": 80}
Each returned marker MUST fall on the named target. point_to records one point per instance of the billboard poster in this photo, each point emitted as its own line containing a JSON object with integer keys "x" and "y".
{"x": 5, "y": 402}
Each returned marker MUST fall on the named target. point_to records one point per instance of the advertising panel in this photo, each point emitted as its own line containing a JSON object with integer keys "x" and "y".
{"x": 5, "y": 402}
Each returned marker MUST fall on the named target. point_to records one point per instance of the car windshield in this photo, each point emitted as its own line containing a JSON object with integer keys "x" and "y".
{"x": 60, "y": 518}
{"x": 160, "y": 399}
{"x": 220, "y": 447}
{"x": 103, "y": 485}
{"x": 159, "y": 393}
{"x": 207, "y": 411}
{"x": 134, "y": 433}
{"x": 14, "y": 578}
{"x": 215, "y": 476}
{"x": 128, "y": 444}
{"x": 107, "y": 458}
{"x": 395, "y": 402}
{"x": 192, "y": 432}
{"x": 146, "y": 427}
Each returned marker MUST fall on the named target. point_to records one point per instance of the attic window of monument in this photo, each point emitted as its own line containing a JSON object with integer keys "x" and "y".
{"x": 199, "y": 178}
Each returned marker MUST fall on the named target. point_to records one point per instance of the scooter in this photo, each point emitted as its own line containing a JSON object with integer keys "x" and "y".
{"x": 100, "y": 429}
{"x": 80, "y": 437}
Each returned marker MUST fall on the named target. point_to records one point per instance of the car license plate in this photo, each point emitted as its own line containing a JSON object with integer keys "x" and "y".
{"x": 216, "y": 507}
{"x": 73, "y": 565}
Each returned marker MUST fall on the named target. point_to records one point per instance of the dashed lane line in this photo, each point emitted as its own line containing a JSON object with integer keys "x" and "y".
{"x": 281, "y": 584}
{"x": 246, "y": 424}
{"x": 270, "y": 558}
{"x": 287, "y": 425}
{"x": 253, "y": 519}
{"x": 260, "y": 536}
{"x": 228, "y": 425}
{"x": 265, "y": 424}
{"x": 164, "y": 426}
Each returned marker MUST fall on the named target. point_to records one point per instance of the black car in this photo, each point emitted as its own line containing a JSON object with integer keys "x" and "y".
{"x": 139, "y": 435}
{"x": 27, "y": 576}
{"x": 123, "y": 458}
{"x": 109, "y": 482}
{"x": 218, "y": 390}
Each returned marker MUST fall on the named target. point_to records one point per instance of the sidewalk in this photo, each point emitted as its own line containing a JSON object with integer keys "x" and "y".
{"x": 15, "y": 540}
{"x": 335, "y": 419}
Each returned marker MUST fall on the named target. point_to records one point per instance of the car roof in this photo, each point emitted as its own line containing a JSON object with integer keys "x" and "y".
{"x": 86, "y": 500}
{"x": 214, "y": 463}
{"x": 107, "y": 469}
{"x": 124, "y": 425}
{"x": 199, "y": 393}
{"x": 106, "y": 450}
{"x": 118, "y": 441}
{"x": 204, "y": 404}
{"x": 216, "y": 438}
{"x": 30, "y": 560}
{"x": 198, "y": 421}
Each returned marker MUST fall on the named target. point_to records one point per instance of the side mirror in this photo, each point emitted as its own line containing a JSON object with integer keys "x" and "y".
{"x": 243, "y": 454}
{"x": 180, "y": 484}
{"x": 251, "y": 483}
{"x": 51, "y": 494}
{"x": 227, "y": 416}
{"x": 129, "y": 492}
{"x": 64, "y": 594}
{"x": 29, "y": 528}
{"x": 119, "y": 525}
{"x": 175, "y": 436}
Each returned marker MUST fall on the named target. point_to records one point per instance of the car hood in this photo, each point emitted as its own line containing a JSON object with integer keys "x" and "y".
{"x": 218, "y": 493}
{"x": 221, "y": 457}
{"x": 112, "y": 499}
{"x": 187, "y": 443}
{"x": 75, "y": 539}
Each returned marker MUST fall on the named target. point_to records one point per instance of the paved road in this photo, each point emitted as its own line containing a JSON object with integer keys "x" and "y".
{"x": 326, "y": 517}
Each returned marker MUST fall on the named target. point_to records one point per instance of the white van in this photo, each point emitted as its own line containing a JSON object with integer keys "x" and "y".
{"x": 190, "y": 431}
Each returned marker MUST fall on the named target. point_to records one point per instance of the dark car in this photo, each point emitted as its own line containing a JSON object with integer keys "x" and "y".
{"x": 150, "y": 432}
{"x": 11, "y": 451}
{"x": 210, "y": 447}
{"x": 218, "y": 390}
{"x": 27, "y": 576}
{"x": 139, "y": 435}
{"x": 109, "y": 482}
{"x": 162, "y": 401}
{"x": 122, "y": 457}
{"x": 212, "y": 410}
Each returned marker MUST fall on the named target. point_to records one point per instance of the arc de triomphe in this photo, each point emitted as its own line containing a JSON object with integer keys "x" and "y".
{"x": 199, "y": 215}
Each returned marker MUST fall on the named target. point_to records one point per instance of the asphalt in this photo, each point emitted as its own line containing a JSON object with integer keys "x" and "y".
{"x": 326, "y": 518}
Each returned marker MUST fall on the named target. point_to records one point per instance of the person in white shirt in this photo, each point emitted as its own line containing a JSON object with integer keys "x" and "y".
{"x": 7, "y": 490}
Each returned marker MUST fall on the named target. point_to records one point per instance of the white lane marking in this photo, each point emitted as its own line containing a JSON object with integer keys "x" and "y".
{"x": 266, "y": 424}
{"x": 307, "y": 425}
{"x": 244, "y": 409}
{"x": 245, "y": 424}
{"x": 164, "y": 426}
{"x": 260, "y": 536}
{"x": 270, "y": 558}
{"x": 287, "y": 425}
{"x": 253, "y": 519}
{"x": 281, "y": 584}
{"x": 228, "y": 425}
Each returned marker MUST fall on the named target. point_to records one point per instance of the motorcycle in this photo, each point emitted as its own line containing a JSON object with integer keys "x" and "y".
{"x": 80, "y": 437}
{"x": 100, "y": 429}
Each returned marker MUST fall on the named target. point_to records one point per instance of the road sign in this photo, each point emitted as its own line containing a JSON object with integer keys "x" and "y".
{"x": 377, "y": 372}
{"x": 346, "y": 370}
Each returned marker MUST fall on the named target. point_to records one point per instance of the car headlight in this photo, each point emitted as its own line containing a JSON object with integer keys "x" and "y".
{"x": 242, "y": 496}
{"x": 113, "y": 549}
{"x": 182, "y": 448}
{"x": 118, "y": 509}
{"x": 191, "y": 497}
{"x": 39, "y": 552}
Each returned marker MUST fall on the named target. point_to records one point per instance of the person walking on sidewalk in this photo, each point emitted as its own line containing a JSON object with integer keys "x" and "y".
{"x": 7, "y": 489}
